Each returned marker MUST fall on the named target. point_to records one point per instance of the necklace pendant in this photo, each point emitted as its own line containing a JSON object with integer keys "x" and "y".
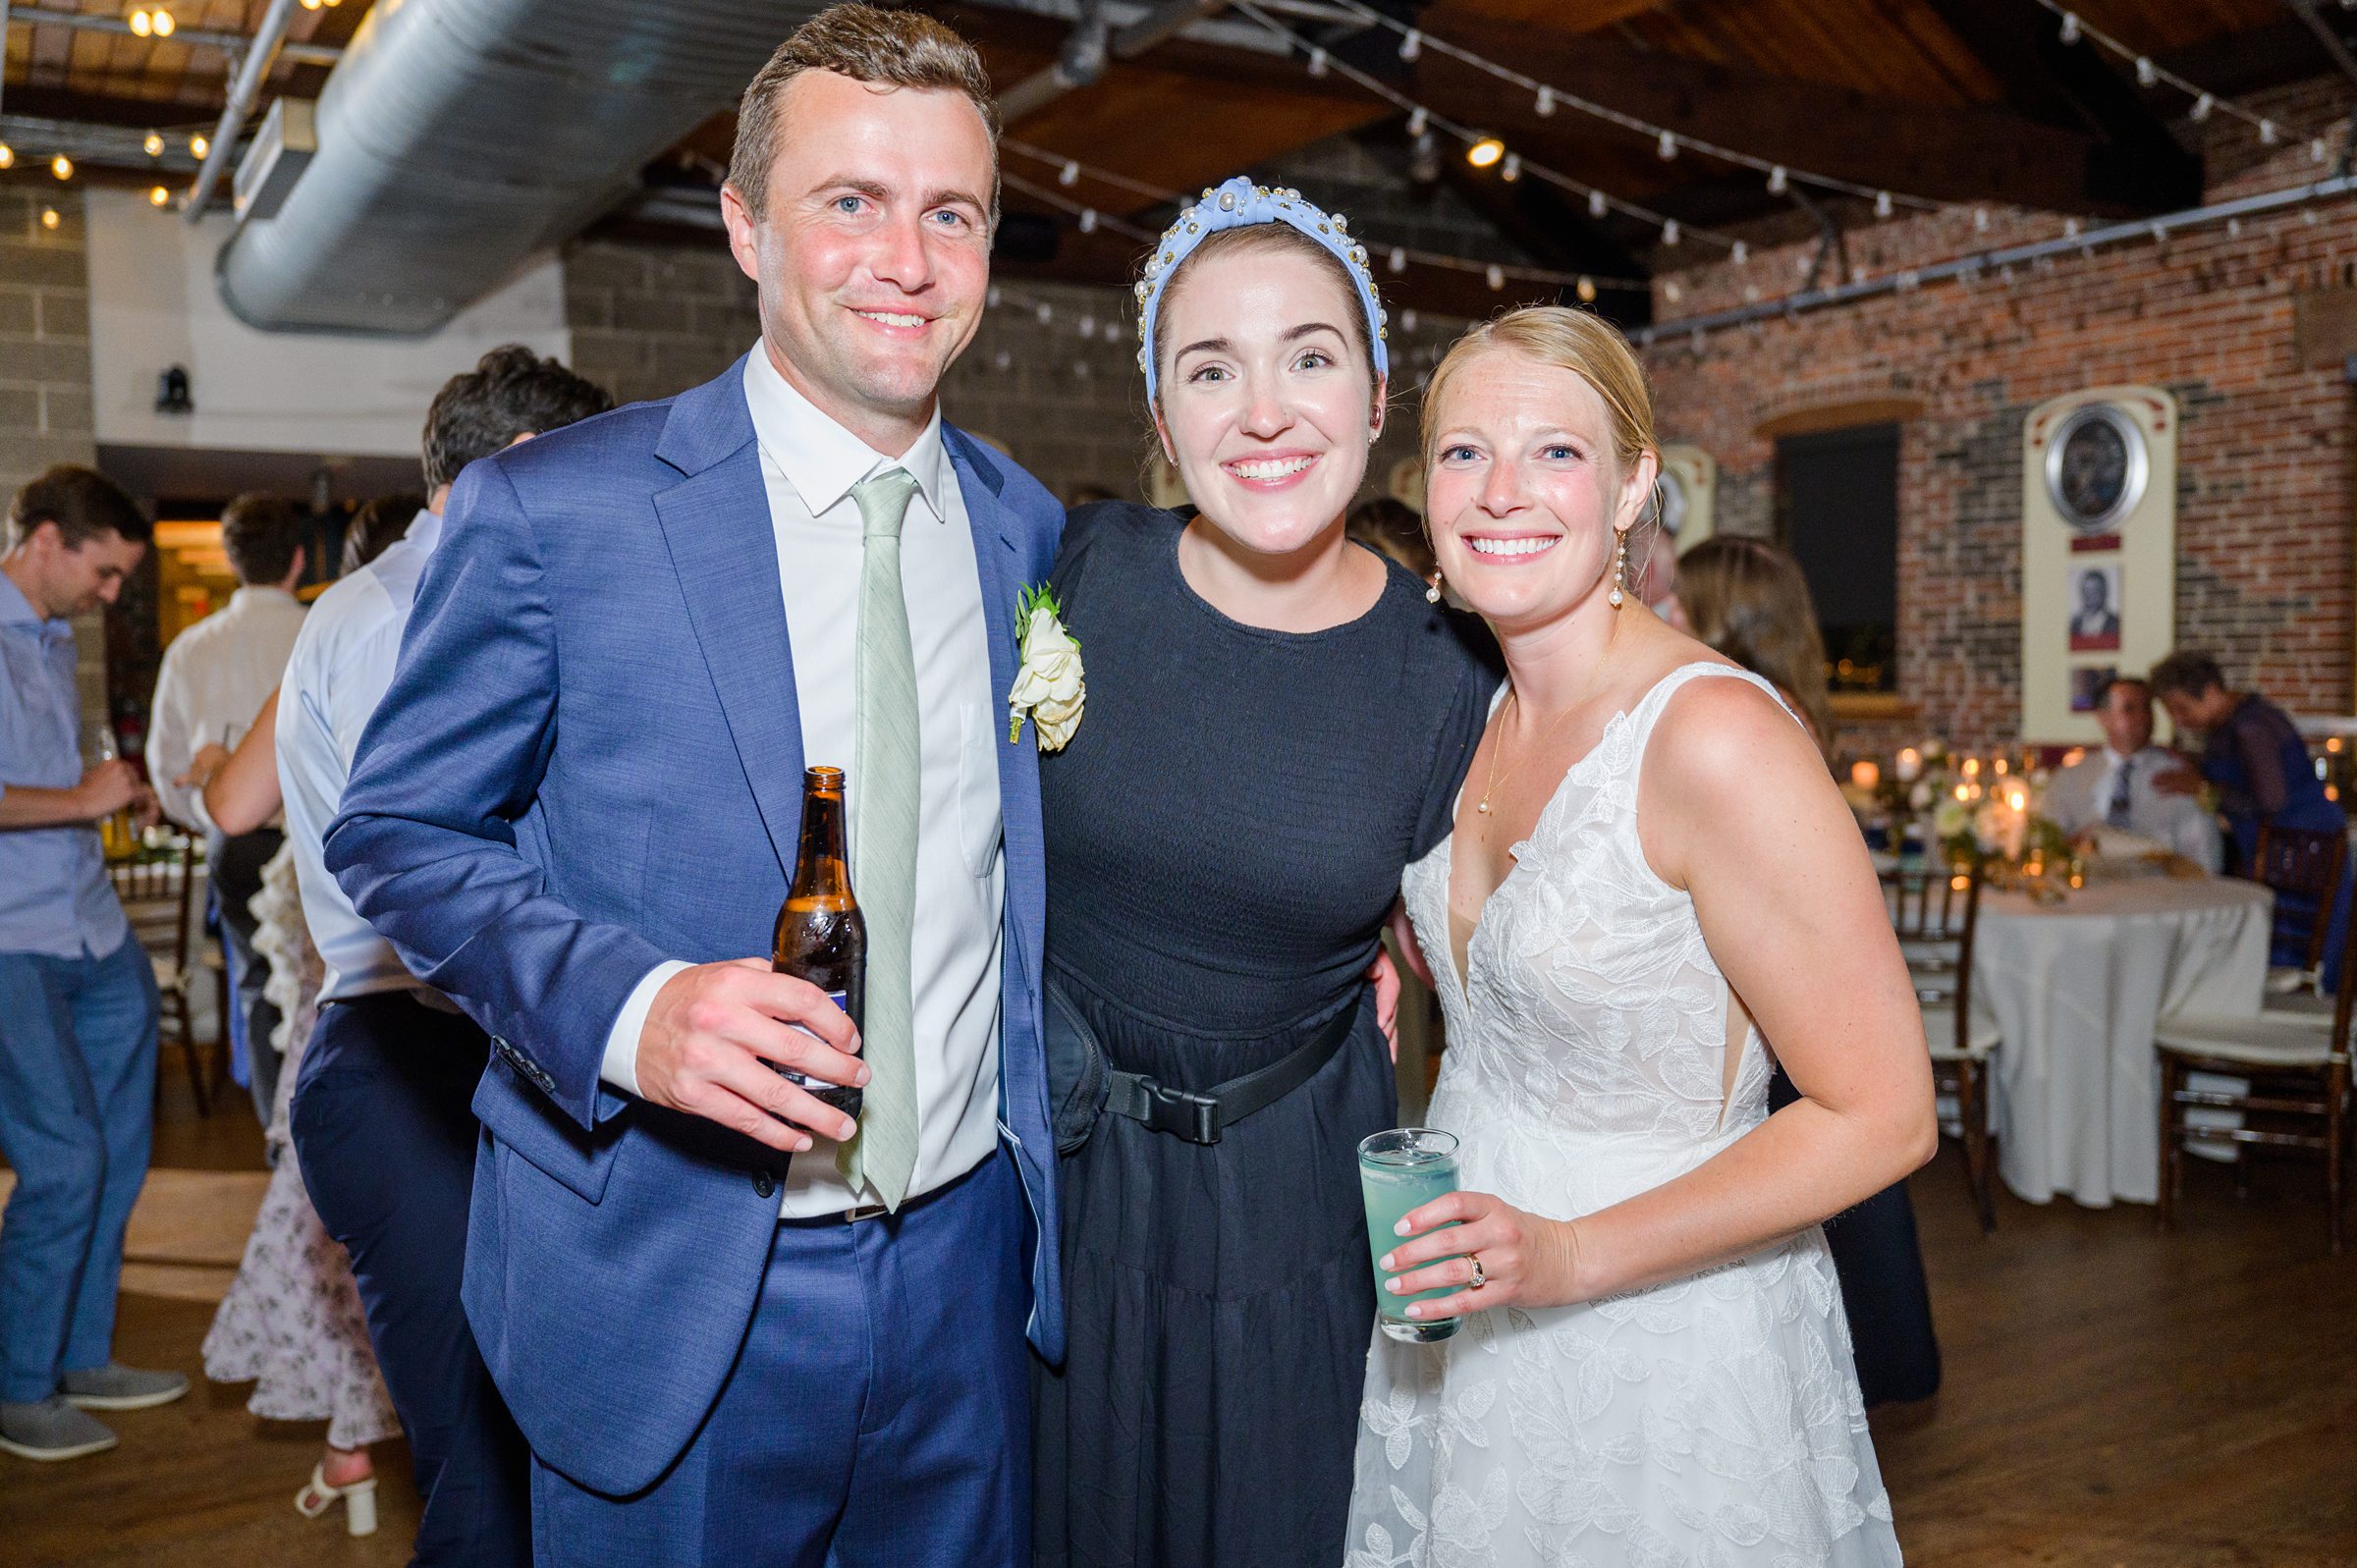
{"x": 1482, "y": 806}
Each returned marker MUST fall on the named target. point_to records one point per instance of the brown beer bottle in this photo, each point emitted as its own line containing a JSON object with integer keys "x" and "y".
{"x": 821, "y": 936}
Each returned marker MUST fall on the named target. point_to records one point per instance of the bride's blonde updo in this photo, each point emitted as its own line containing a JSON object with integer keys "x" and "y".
{"x": 1588, "y": 346}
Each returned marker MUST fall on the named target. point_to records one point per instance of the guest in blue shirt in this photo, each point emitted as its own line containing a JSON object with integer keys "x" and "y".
{"x": 2252, "y": 754}
{"x": 78, "y": 1000}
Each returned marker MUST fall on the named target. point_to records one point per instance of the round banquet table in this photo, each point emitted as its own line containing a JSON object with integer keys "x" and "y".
{"x": 2074, "y": 988}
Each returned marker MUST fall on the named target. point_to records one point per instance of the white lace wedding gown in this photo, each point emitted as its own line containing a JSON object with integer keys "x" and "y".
{"x": 1714, "y": 1421}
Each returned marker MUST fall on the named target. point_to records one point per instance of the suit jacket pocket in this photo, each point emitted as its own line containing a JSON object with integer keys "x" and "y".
{"x": 524, "y": 1123}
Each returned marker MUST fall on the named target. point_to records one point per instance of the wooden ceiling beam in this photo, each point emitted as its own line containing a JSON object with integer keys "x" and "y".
{"x": 2134, "y": 163}
{"x": 1949, "y": 154}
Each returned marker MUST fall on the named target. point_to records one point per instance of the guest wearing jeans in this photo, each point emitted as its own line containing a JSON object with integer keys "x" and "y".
{"x": 214, "y": 676}
{"x": 78, "y": 1000}
{"x": 381, "y": 1116}
{"x": 2253, "y": 755}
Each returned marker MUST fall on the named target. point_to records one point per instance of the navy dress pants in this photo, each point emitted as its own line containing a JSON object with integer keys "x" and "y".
{"x": 878, "y": 1414}
{"x": 382, "y": 1124}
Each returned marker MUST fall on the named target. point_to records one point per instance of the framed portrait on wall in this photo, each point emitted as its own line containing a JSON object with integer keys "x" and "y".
{"x": 2094, "y": 606}
{"x": 2097, "y": 468}
{"x": 2087, "y": 683}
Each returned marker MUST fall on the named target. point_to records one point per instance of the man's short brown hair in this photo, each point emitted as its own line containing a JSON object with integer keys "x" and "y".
{"x": 893, "y": 48}
{"x": 84, "y": 504}
{"x": 260, "y": 533}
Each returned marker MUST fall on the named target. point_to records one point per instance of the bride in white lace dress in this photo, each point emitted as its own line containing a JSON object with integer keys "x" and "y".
{"x": 1649, "y": 860}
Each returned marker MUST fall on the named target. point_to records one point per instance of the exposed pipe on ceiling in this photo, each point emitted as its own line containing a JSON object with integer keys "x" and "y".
{"x": 460, "y": 138}
{"x": 252, "y": 71}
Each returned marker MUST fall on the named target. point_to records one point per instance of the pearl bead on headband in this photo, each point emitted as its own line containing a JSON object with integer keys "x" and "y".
{"x": 1241, "y": 205}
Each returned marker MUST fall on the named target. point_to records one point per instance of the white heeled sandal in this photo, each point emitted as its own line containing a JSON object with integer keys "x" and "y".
{"x": 359, "y": 1501}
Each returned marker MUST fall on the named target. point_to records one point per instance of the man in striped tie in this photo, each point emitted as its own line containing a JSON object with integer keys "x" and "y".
{"x": 734, "y": 1326}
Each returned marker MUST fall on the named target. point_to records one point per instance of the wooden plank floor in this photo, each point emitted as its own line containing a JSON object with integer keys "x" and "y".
{"x": 2113, "y": 1397}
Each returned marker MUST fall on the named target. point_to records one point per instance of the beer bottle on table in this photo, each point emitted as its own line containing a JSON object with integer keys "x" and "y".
{"x": 821, "y": 936}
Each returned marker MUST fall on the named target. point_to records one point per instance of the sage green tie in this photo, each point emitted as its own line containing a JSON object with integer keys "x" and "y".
{"x": 886, "y": 778}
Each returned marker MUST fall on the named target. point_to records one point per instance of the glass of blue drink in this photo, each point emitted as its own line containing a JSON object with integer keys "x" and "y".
{"x": 1399, "y": 1172}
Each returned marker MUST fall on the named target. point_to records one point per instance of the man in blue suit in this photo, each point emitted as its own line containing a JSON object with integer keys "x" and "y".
{"x": 730, "y": 1331}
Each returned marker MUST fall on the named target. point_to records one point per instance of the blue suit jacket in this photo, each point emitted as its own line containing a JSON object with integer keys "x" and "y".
{"x": 589, "y": 761}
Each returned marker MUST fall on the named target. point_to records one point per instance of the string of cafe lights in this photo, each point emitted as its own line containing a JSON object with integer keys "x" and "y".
{"x": 2149, "y": 74}
{"x": 1484, "y": 150}
{"x": 1399, "y": 259}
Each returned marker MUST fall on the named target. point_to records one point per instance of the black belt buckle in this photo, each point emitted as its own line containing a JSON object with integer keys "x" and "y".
{"x": 1181, "y": 1112}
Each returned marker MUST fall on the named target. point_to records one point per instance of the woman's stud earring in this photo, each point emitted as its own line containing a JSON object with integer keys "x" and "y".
{"x": 1620, "y": 575}
{"x": 1432, "y": 593}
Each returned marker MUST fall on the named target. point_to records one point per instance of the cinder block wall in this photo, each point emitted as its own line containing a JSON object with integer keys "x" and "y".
{"x": 45, "y": 364}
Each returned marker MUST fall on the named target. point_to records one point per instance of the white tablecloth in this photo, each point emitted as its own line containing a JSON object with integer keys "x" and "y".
{"x": 2076, "y": 987}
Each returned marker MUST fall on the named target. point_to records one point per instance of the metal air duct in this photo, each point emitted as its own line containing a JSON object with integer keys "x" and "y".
{"x": 459, "y": 138}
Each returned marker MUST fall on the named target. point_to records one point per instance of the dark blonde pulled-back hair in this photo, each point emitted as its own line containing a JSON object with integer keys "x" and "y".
{"x": 1585, "y": 344}
{"x": 888, "y": 48}
{"x": 1748, "y": 601}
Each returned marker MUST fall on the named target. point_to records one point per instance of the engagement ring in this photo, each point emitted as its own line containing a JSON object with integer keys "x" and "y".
{"x": 1479, "y": 1278}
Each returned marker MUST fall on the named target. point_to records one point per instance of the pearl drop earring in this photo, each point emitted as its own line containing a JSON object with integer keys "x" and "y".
{"x": 1617, "y": 596}
{"x": 1432, "y": 593}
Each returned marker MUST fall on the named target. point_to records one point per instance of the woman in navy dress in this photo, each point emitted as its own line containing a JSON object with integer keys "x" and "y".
{"x": 1275, "y": 724}
{"x": 2252, "y": 754}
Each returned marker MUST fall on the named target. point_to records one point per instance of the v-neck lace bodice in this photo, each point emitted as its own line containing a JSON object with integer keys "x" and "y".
{"x": 1711, "y": 1423}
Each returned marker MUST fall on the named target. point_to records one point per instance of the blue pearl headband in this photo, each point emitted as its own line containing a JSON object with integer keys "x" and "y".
{"x": 1241, "y": 205}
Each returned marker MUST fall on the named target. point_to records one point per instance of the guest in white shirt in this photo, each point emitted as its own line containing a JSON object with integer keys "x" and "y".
{"x": 215, "y": 677}
{"x": 2115, "y": 786}
{"x": 380, "y": 1117}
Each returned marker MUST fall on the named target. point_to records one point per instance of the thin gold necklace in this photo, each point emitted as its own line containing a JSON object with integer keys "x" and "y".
{"x": 1513, "y": 699}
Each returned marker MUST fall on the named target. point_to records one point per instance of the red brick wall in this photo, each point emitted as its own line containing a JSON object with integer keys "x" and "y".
{"x": 2264, "y": 491}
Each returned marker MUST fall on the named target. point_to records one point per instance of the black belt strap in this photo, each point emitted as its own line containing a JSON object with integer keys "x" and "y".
{"x": 1201, "y": 1116}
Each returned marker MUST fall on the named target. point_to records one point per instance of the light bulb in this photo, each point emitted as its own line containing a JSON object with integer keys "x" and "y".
{"x": 1088, "y": 220}
{"x": 1398, "y": 261}
{"x": 49, "y": 217}
{"x": 164, "y": 23}
{"x": 153, "y": 147}
{"x": 199, "y": 146}
{"x": 2146, "y": 76}
{"x": 141, "y": 23}
{"x": 62, "y": 167}
{"x": 1317, "y": 62}
{"x": 1069, "y": 174}
{"x": 1597, "y": 204}
{"x": 1670, "y": 234}
{"x": 1546, "y": 102}
{"x": 1980, "y": 220}
{"x": 157, "y": 195}
{"x": 310, "y": 5}
{"x": 1496, "y": 276}
{"x": 1587, "y": 290}
{"x": 2201, "y": 107}
{"x": 1412, "y": 45}
{"x": 2070, "y": 27}
{"x": 1776, "y": 181}
{"x": 1740, "y": 254}
{"x": 1512, "y": 170}
{"x": 1882, "y": 203}
{"x": 2266, "y": 133}
{"x": 8, "y": 156}
{"x": 1484, "y": 152}
{"x": 1671, "y": 292}
{"x": 2316, "y": 150}
{"x": 1417, "y": 120}
{"x": 1408, "y": 320}
{"x": 1667, "y": 147}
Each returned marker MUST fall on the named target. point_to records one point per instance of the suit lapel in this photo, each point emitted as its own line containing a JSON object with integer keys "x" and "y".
{"x": 999, "y": 557}
{"x": 717, "y": 527}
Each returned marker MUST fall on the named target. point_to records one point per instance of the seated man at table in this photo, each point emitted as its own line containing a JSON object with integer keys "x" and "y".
{"x": 2126, "y": 783}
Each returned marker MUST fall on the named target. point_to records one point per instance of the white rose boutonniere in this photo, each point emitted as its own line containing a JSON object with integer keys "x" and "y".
{"x": 1048, "y": 684}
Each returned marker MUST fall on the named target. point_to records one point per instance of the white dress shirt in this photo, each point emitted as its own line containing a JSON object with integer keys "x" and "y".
{"x": 2081, "y": 798}
{"x": 215, "y": 677}
{"x": 341, "y": 666}
{"x": 809, "y": 466}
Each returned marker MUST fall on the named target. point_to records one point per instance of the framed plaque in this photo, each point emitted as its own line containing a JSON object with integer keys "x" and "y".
{"x": 2097, "y": 467}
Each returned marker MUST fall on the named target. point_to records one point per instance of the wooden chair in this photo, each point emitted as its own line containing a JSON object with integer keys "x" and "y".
{"x": 2293, "y": 1070}
{"x": 1934, "y": 911}
{"x": 158, "y": 896}
{"x": 2303, "y": 868}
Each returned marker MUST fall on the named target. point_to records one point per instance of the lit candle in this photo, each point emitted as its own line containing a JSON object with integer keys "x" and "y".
{"x": 1865, "y": 774}
{"x": 1963, "y": 791}
{"x": 1972, "y": 767}
{"x": 2000, "y": 765}
{"x": 1910, "y": 764}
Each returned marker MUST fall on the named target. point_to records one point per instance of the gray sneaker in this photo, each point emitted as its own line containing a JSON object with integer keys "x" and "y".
{"x": 51, "y": 1430}
{"x": 118, "y": 1387}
